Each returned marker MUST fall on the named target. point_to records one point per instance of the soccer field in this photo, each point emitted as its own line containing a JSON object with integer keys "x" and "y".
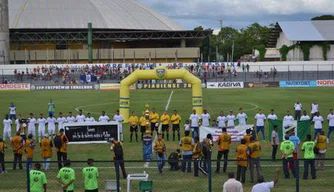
{"x": 214, "y": 101}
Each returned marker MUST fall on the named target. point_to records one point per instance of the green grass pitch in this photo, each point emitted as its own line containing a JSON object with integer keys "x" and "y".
{"x": 214, "y": 101}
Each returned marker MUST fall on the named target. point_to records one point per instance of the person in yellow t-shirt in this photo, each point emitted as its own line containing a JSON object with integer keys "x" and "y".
{"x": 165, "y": 124}
{"x": 321, "y": 144}
{"x": 241, "y": 156}
{"x": 176, "y": 119}
{"x": 46, "y": 151}
{"x": 3, "y": 146}
{"x": 133, "y": 121}
{"x": 224, "y": 141}
{"x": 160, "y": 150}
{"x": 154, "y": 118}
{"x": 29, "y": 149}
{"x": 17, "y": 145}
{"x": 142, "y": 123}
{"x": 254, "y": 158}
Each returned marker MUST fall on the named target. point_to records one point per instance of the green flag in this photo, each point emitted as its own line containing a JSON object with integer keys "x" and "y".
{"x": 279, "y": 124}
{"x": 304, "y": 128}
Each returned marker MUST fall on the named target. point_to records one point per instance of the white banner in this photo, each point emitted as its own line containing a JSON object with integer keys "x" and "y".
{"x": 16, "y": 87}
{"x": 237, "y": 132}
{"x": 224, "y": 85}
{"x": 325, "y": 83}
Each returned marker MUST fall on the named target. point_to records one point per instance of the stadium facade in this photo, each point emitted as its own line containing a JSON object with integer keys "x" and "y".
{"x": 123, "y": 31}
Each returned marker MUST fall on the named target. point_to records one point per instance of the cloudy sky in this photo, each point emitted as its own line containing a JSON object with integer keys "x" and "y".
{"x": 238, "y": 13}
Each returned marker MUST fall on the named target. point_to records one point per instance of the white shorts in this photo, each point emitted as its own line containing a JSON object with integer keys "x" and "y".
{"x": 7, "y": 133}
{"x": 32, "y": 131}
{"x": 51, "y": 131}
{"x": 41, "y": 132}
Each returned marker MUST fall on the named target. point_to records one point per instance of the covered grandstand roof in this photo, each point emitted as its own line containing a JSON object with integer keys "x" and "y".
{"x": 75, "y": 14}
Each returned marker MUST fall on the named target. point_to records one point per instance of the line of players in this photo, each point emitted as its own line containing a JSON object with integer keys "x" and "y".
{"x": 51, "y": 122}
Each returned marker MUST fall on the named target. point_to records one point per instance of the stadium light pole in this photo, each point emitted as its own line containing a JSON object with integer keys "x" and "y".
{"x": 4, "y": 32}
{"x": 90, "y": 43}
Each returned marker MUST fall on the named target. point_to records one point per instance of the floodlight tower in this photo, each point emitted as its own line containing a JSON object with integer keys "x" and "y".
{"x": 4, "y": 32}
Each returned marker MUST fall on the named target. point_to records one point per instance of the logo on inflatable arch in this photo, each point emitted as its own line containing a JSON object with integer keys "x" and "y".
{"x": 161, "y": 73}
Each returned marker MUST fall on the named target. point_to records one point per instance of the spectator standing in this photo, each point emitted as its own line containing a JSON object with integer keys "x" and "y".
{"x": 254, "y": 158}
{"x": 3, "y": 146}
{"x": 91, "y": 175}
{"x": 187, "y": 144}
{"x": 117, "y": 148}
{"x": 17, "y": 145}
{"x": 46, "y": 151}
{"x": 263, "y": 186}
{"x": 274, "y": 142}
{"x": 298, "y": 110}
{"x": 66, "y": 177}
{"x": 37, "y": 179}
{"x": 241, "y": 156}
{"x": 160, "y": 150}
{"x": 224, "y": 141}
{"x": 232, "y": 185}
{"x": 287, "y": 148}
{"x": 318, "y": 121}
{"x": 308, "y": 148}
{"x": 321, "y": 145}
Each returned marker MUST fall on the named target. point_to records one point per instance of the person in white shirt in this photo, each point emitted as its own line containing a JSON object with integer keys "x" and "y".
{"x": 194, "y": 123}
{"x": 7, "y": 128}
{"x": 305, "y": 117}
{"x": 119, "y": 118}
{"x": 80, "y": 117}
{"x": 330, "y": 119}
{"x": 12, "y": 111}
{"x": 17, "y": 123}
{"x": 274, "y": 142}
{"x": 205, "y": 118}
{"x": 32, "y": 125}
{"x": 298, "y": 110}
{"x": 60, "y": 121}
{"x": 221, "y": 119}
{"x": 230, "y": 118}
{"x": 41, "y": 127}
{"x": 89, "y": 118}
{"x": 51, "y": 125}
{"x": 260, "y": 118}
{"x": 272, "y": 115}
{"x": 287, "y": 120}
{"x": 263, "y": 186}
{"x": 70, "y": 118}
{"x": 317, "y": 120}
{"x": 314, "y": 108}
{"x": 232, "y": 185}
{"x": 103, "y": 118}
{"x": 242, "y": 117}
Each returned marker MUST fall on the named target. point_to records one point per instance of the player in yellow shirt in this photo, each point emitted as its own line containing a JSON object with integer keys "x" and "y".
{"x": 176, "y": 119}
{"x": 165, "y": 119}
{"x": 17, "y": 144}
{"x": 154, "y": 118}
{"x": 224, "y": 141}
{"x": 254, "y": 157}
{"x": 133, "y": 120}
{"x": 142, "y": 123}
{"x": 29, "y": 149}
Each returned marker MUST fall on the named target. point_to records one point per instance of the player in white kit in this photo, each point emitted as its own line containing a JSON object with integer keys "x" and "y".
{"x": 242, "y": 117}
{"x": 70, "y": 118}
{"x": 205, "y": 118}
{"x": 119, "y": 119}
{"x": 89, "y": 118}
{"x": 330, "y": 119}
{"x": 314, "y": 108}
{"x": 80, "y": 117}
{"x": 12, "y": 111}
{"x": 7, "y": 128}
{"x": 32, "y": 125}
{"x": 51, "y": 125}
{"x": 221, "y": 119}
{"x": 41, "y": 127}
{"x": 260, "y": 118}
{"x": 272, "y": 115}
{"x": 60, "y": 121}
{"x": 104, "y": 118}
{"x": 230, "y": 118}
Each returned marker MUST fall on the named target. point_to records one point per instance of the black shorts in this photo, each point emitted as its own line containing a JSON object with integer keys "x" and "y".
{"x": 142, "y": 129}
{"x": 165, "y": 128}
{"x": 93, "y": 190}
{"x": 133, "y": 129}
{"x": 153, "y": 127}
{"x": 176, "y": 127}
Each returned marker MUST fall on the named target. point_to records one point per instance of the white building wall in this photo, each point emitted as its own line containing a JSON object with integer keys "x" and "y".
{"x": 283, "y": 40}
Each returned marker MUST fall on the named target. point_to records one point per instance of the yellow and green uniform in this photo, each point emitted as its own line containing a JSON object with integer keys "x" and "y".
{"x": 37, "y": 181}
{"x": 133, "y": 120}
{"x": 154, "y": 117}
{"x": 255, "y": 149}
{"x": 308, "y": 148}
{"x": 90, "y": 175}
{"x": 142, "y": 121}
{"x": 66, "y": 175}
{"x": 241, "y": 154}
{"x": 287, "y": 147}
{"x": 175, "y": 119}
{"x": 164, "y": 119}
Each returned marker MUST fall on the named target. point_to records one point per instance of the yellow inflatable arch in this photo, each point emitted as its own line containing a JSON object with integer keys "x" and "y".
{"x": 159, "y": 73}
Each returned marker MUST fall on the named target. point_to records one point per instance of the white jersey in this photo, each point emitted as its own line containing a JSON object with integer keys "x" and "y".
{"x": 12, "y": 110}
{"x": 317, "y": 122}
{"x": 298, "y": 106}
{"x": 61, "y": 121}
{"x": 260, "y": 118}
{"x": 287, "y": 121}
{"x": 51, "y": 122}
{"x": 80, "y": 118}
{"x": 305, "y": 118}
{"x": 230, "y": 120}
{"x": 89, "y": 119}
{"x": 119, "y": 119}
{"x": 315, "y": 108}
{"x": 41, "y": 123}
{"x": 186, "y": 127}
{"x": 242, "y": 118}
{"x": 32, "y": 123}
{"x": 221, "y": 121}
{"x": 194, "y": 118}
{"x": 205, "y": 120}
{"x": 330, "y": 118}
{"x": 104, "y": 119}
{"x": 7, "y": 124}
{"x": 272, "y": 117}
{"x": 17, "y": 124}
{"x": 70, "y": 119}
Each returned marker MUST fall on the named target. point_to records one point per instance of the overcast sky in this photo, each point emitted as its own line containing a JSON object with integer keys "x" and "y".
{"x": 238, "y": 13}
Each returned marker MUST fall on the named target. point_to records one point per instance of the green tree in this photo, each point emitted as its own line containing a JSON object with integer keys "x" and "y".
{"x": 198, "y": 28}
{"x": 323, "y": 17}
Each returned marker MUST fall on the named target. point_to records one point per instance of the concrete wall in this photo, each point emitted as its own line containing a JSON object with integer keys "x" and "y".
{"x": 4, "y": 32}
